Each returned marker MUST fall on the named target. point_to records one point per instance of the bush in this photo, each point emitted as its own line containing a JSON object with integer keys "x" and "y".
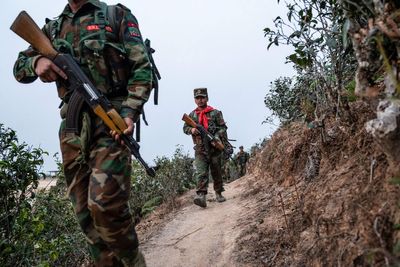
{"x": 174, "y": 176}
{"x": 19, "y": 175}
{"x": 37, "y": 228}
{"x": 322, "y": 57}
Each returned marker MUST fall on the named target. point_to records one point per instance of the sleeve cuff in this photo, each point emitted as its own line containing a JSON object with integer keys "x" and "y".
{"x": 34, "y": 61}
{"x": 127, "y": 112}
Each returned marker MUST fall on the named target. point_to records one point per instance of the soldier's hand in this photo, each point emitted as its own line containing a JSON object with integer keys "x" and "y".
{"x": 128, "y": 131}
{"x": 194, "y": 131}
{"x": 48, "y": 71}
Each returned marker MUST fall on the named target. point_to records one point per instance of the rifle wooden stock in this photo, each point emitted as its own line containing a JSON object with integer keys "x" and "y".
{"x": 217, "y": 144}
{"x": 27, "y": 29}
{"x": 189, "y": 120}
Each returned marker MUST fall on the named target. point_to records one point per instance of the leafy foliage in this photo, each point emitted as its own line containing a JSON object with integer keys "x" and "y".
{"x": 289, "y": 100}
{"x": 37, "y": 228}
{"x": 174, "y": 176}
{"x": 323, "y": 59}
{"x": 19, "y": 175}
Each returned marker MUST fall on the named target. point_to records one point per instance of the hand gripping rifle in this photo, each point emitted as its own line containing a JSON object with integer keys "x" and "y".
{"x": 83, "y": 88}
{"x": 204, "y": 133}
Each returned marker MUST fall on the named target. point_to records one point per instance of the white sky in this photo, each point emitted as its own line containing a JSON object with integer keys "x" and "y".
{"x": 218, "y": 44}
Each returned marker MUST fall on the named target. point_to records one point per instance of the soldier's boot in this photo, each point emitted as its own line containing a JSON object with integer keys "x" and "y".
{"x": 137, "y": 261}
{"x": 200, "y": 200}
{"x": 219, "y": 197}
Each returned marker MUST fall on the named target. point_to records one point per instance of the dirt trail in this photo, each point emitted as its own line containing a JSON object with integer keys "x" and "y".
{"x": 200, "y": 237}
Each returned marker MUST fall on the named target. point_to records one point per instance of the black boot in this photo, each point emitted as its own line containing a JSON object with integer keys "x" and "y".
{"x": 200, "y": 200}
{"x": 219, "y": 197}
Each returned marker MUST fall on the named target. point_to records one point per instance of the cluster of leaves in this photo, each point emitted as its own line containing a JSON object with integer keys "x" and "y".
{"x": 174, "y": 176}
{"x": 37, "y": 228}
{"x": 323, "y": 59}
{"x": 291, "y": 100}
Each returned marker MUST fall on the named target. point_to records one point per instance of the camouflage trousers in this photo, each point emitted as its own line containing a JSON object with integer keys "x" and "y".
{"x": 204, "y": 164}
{"x": 242, "y": 169}
{"x": 97, "y": 171}
{"x": 226, "y": 173}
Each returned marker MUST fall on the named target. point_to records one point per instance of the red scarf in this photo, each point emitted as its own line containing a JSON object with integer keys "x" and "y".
{"x": 201, "y": 114}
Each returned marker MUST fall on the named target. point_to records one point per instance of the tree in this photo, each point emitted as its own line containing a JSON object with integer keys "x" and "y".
{"x": 322, "y": 57}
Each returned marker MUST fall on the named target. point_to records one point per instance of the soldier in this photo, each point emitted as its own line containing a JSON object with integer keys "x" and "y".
{"x": 226, "y": 161}
{"x": 97, "y": 167}
{"x": 207, "y": 157}
{"x": 226, "y": 174}
{"x": 241, "y": 159}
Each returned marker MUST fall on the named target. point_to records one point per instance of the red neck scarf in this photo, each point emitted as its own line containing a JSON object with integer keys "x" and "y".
{"x": 203, "y": 120}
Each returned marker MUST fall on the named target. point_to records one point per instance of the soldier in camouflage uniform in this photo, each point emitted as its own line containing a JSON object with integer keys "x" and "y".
{"x": 226, "y": 174}
{"x": 241, "y": 160}
{"x": 97, "y": 167}
{"x": 207, "y": 157}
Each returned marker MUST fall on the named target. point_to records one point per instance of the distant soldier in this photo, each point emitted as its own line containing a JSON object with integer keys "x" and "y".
{"x": 207, "y": 157}
{"x": 226, "y": 173}
{"x": 241, "y": 159}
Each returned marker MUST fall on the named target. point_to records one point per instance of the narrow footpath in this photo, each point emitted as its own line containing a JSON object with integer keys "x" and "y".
{"x": 200, "y": 237}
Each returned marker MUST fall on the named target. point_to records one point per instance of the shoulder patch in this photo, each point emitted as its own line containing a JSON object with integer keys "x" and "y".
{"x": 133, "y": 31}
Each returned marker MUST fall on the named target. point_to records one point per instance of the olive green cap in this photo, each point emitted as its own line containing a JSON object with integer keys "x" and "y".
{"x": 200, "y": 92}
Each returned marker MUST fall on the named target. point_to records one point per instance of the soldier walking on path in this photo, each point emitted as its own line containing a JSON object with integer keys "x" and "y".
{"x": 207, "y": 157}
{"x": 97, "y": 167}
{"x": 241, "y": 159}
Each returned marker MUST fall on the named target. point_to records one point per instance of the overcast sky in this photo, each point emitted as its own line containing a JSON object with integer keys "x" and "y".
{"x": 218, "y": 44}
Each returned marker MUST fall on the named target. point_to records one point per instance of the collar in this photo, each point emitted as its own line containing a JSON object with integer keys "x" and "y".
{"x": 67, "y": 10}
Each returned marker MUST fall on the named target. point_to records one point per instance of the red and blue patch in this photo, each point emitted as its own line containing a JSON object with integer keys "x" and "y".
{"x": 133, "y": 25}
{"x": 96, "y": 27}
{"x": 133, "y": 29}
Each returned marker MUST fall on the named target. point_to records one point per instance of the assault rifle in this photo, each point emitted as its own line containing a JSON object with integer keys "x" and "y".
{"x": 83, "y": 89}
{"x": 204, "y": 133}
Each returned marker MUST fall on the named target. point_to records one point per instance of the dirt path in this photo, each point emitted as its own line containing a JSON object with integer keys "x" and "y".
{"x": 200, "y": 237}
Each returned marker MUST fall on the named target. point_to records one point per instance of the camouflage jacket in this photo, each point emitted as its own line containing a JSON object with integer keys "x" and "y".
{"x": 242, "y": 157}
{"x": 115, "y": 60}
{"x": 216, "y": 127}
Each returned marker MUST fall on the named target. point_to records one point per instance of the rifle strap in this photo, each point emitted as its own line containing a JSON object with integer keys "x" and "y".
{"x": 100, "y": 19}
{"x": 137, "y": 131}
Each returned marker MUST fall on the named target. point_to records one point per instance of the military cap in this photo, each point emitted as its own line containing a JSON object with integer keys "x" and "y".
{"x": 241, "y": 147}
{"x": 200, "y": 92}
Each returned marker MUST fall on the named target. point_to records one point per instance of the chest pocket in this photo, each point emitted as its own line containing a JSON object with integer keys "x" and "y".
{"x": 107, "y": 65}
{"x": 212, "y": 127}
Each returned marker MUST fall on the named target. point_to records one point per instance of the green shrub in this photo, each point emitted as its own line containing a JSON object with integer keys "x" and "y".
{"x": 174, "y": 176}
{"x": 37, "y": 228}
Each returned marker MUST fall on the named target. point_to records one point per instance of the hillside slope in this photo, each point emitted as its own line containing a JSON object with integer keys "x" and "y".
{"x": 325, "y": 198}
{"x": 316, "y": 195}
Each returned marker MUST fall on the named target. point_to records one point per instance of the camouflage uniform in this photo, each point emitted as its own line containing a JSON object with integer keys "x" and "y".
{"x": 97, "y": 168}
{"x": 226, "y": 173}
{"x": 241, "y": 160}
{"x": 208, "y": 158}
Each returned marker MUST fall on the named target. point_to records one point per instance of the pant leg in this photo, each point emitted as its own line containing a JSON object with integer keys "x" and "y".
{"x": 109, "y": 190}
{"x": 77, "y": 173}
{"x": 216, "y": 171}
{"x": 242, "y": 169}
{"x": 201, "y": 164}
